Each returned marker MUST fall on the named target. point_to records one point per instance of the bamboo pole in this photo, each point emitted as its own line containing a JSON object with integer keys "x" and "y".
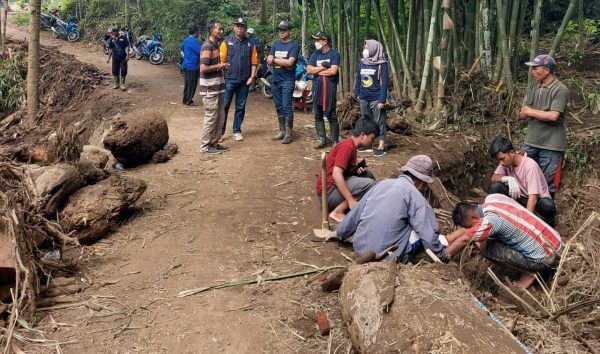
{"x": 33, "y": 68}
{"x": 427, "y": 64}
{"x": 535, "y": 34}
{"x": 563, "y": 27}
{"x": 447, "y": 27}
{"x": 401, "y": 51}
{"x": 319, "y": 15}
{"x": 368, "y": 20}
{"x": 512, "y": 32}
{"x": 384, "y": 41}
{"x": 410, "y": 36}
{"x": 487, "y": 37}
{"x": 502, "y": 38}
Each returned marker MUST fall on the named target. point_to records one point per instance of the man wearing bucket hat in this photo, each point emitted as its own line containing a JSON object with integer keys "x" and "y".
{"x": 324, "y": 64}
{"x": 390, "y": 211}
{"x": 544, "y": 107}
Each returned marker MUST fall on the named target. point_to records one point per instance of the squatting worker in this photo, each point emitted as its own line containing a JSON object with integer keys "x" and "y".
{"x": 239, "y": 52}
{"x": 117, "y": 50}
{"x": 191, "y": 65}
{"x": 283, "y": 57}
{"x": 324, "y": 63}
{"x": 371, "y": 88}
{"x": 544, "y": 107}
{"x": 212, "y": 88}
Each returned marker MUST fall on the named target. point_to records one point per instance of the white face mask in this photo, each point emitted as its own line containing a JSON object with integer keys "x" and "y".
{"x": 318, "y": 45}
{"x": 365, "y": 53}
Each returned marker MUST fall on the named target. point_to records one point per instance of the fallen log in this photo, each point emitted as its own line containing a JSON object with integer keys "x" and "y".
{"x": 431, "y": 312}
{"x": 93, "y": 210}
{"x": 54, "y": 184}
{"x": 134, "y": 139}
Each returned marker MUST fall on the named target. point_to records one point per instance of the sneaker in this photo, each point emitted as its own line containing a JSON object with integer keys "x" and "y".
{"x": 238, "y": 136}
{"x": 221, "y": 147}
{"x": 364, "y": 149}
{"x": 213, "y": 150}
{"x": 379, "y": 153}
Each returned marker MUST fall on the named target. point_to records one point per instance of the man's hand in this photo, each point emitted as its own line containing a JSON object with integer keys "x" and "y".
{"x": 380, "y": 106}
{"x": 250, "y": 80}
{"x": 352, "y": 203}
{"x": 524, "y": 112}
{"x": 360, "y": 170}
{"x": 513, "y": 186}
{"x": 225, "y": 66}
{"x": 270, "y": 60}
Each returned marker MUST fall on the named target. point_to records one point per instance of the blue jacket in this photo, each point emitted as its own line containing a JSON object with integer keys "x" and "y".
{"x": 191, "y": 53}
{"x": 238, "y": 53}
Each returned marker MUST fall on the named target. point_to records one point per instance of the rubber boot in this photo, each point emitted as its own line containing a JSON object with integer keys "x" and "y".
{"x": 117, "y": 82}
{"x": 289, "y": 124}
{"x": 281, "y": 134}
{"x": 334, "y": 126}
{"x": 123, "y": 83}
{"x": 320, "y": 125}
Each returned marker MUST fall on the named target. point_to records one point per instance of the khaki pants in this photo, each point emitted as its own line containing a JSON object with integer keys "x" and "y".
{"x": 214, "y": 115}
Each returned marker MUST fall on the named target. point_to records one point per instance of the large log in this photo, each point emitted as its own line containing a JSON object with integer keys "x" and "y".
{"x": 93, "y": 210}
{"x": 134, "y": 139}
{"x": 432, "y": 312}
{"x": 54, "y": 184}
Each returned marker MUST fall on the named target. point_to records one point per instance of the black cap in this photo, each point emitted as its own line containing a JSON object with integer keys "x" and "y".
{"x": 284, "y": 25}
{"x": 322, "y": 35}
{"x": 543, "y": 60}
{"x": 239, "y": 21}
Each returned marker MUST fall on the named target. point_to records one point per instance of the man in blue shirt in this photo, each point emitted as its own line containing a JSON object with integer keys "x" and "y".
{"x": 252, "y": 39}
{"x": 191, "y": 65}
{"x": 283, "y": 57}
{"x": 120, "y": 56}
{"x": 324, "y": 63}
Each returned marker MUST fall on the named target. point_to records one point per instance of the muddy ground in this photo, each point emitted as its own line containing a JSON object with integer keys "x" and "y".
{"x": 207, "y": 219}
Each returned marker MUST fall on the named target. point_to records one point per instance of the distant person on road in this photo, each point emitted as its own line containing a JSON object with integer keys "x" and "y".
{"x": 191, "y": 65}
{"x": 241, "y": 55}
{"x": 371, "y": 89}
{"x": 520, "y": 178}
{"x": 283, "y": 57}
{"x": 544, "y": 107}
{"x": 212, "y": 88}
{"x": 117, "y": 50}
{"x": 347, "y": 182}
{"x": 508, "y": 234}
{"x": 324, "y": 63}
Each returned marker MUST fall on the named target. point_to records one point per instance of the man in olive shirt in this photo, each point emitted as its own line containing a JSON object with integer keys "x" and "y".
{"x": 544, "y": 106}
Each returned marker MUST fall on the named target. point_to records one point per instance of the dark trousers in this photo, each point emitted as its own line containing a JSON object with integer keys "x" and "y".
{"x": 190, "y": 83}
{"x": 545, "y": 207}
{"x": 119, "y": 67}
{"x": 240, "y": 90}
{"x": 550, "y": 163}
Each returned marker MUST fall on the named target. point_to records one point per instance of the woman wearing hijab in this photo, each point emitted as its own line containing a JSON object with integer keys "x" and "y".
{"x": 371, "y": 89}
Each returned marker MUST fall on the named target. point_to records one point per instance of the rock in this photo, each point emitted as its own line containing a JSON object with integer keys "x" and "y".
{"x": 430, "y": 313}
{"x": 398, "y": 125}
{"x": 95, "y": 155}
{"x": 54, "y": 184}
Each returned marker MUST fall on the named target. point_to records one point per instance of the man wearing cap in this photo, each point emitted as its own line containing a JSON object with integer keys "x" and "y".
{"x": 191, "y": 65}
{"x": 240, "y": 54}
{"x": 391, "y": 211}
{"x": 544, "y": 107}
{"x": 324, "y": 63}
{"x": 252, "y": 39}
{"x": 283, "y": 57}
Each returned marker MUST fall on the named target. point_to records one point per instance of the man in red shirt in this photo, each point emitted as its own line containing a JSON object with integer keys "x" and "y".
{"x": 519, "y": 177}
{"x": 346, "y": 183}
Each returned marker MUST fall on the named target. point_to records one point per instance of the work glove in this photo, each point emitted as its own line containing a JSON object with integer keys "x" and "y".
{"x": 326, "y": 64}
{"x": 513, "y": 187}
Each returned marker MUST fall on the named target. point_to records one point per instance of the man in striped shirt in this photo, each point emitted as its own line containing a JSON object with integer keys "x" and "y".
{"x": 212, "y": 88}
{"x": 508, "y": 234}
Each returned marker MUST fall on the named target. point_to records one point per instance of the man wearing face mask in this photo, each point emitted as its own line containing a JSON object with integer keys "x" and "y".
{"x": 371, "y": 88}
{"x": 390, "y": 211}
{"x": 324, "y": 64}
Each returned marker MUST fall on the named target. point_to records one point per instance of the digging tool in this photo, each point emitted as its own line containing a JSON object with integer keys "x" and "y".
{"x": 323, "y": 232}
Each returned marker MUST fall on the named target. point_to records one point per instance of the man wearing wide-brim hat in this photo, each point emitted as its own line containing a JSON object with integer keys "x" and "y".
{"x": 393, "y": 209}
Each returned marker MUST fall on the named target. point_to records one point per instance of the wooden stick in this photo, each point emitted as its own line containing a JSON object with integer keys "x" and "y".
{"x": 524, "y": 303}
{"x": 324, "y": 208}
{"x": 432, "y": 255}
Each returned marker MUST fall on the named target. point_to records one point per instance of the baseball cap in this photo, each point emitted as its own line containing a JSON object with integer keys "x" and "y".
{"x": 421, "y": 167}
{"x": 284, "y": 25}
{"x": 239, "y": 21}
{"x": 322, "y": 35}
{"x": 250, "y": 30}
{"x": 543, "y": 60}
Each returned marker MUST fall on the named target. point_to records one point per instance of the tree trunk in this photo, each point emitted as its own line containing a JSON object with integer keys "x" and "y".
{"x": 128, "y": 14}
{"x": 563, "y": 27}
{"x": 274, "y": 15}
{"x": 502, "y": 38}
{"x": 2, "y": 32}
{"x": 263, "y": 10}
{"x": 487, "y": 37}
{"x": 319, "y": 14}
{"x": 139, "y": 8}
{"x": 368, "y": 20}
{"x": 535, "y": 34}
{"x": 33, "y": 68}
{"x": 385, "y": 42}
{"x": 401, "y": 50}
{"x": 305, "y": 40}
{"x": 292, "y": 9}
{"x": 429, "y": 50}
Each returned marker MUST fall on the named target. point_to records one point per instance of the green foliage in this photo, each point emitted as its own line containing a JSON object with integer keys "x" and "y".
{"x": 592, "y": 99}
{"x": 11, "y": 84}
{"x": 579, "y": 155}
{"x": 590, "y": 27}
{"x": 21, "y": 19}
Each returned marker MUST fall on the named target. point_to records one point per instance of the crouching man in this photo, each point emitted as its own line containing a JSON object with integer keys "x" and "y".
{"x": 509, "y": 235}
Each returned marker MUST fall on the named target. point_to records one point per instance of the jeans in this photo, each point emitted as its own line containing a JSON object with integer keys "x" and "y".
{"x": 282, "y": 96}
{"x": 550, "y": 162}
{"x": 379, "y": 116}
{"x": 545, "y": 207}
{"x": 240, "y": 89}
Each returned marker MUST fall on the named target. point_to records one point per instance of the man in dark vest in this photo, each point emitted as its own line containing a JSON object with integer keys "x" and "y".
{"x": 239, "y": 52}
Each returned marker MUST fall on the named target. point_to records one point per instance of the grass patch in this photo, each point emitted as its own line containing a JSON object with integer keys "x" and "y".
{"x": 21, "y": 19}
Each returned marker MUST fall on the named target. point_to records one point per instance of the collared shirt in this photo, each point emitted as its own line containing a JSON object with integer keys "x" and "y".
{"x": 191, "y": 53}
{"x": 550, "y": 97}
{"x": 529, "y": 176}
{"x": 507, "y": 221}
{"x": 211, "y": 82}
{"x": 386, "y": 215}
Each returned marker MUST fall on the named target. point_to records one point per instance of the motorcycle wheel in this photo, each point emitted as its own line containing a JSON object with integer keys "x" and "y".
{"x": 54, "y": 33}
{"x": 105, "y": 49}
{"x": 73, "y": 36}
{"x": 266, "y": 90}
{"x": 131, "y": 51}
{"x": 138, "y": 54}
{"x": 156, "y": 57}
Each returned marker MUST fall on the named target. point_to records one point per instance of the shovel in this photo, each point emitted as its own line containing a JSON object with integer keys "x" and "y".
{"x": 324, "y": 231}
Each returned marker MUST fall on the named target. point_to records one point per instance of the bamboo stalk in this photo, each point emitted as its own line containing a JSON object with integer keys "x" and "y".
{"x": 503, "y": 40}
{"x": 563, "y": 27}
{"x": 384, "y": 41}
{"x": 427, "y": 64}
{"x": 397, "y": 37}
{"x": 487, "y": 36}
{"x": 535, "y": 34}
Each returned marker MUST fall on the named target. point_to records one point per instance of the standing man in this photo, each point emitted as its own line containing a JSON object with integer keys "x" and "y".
{"x": 117, "y": 50}
{"x": 544, "y": 107}
{"x": 191, "y": 65}
{"x": 212, "y": 87}
{"x": 324, "y": 63}
{"x": 252, "y": 39}
{"x": 240, "y": 54}
{"x": 283, "y": 57}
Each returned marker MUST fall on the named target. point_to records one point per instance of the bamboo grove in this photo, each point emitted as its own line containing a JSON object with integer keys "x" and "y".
{"x": 430, "y": 43}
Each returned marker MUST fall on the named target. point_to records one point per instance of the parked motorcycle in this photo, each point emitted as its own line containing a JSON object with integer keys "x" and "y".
{"x": 151, "y": 49}
{"x": 265, "y": 75}
{"x": 301, "y": 86}
{"x": 66, "y": 30}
